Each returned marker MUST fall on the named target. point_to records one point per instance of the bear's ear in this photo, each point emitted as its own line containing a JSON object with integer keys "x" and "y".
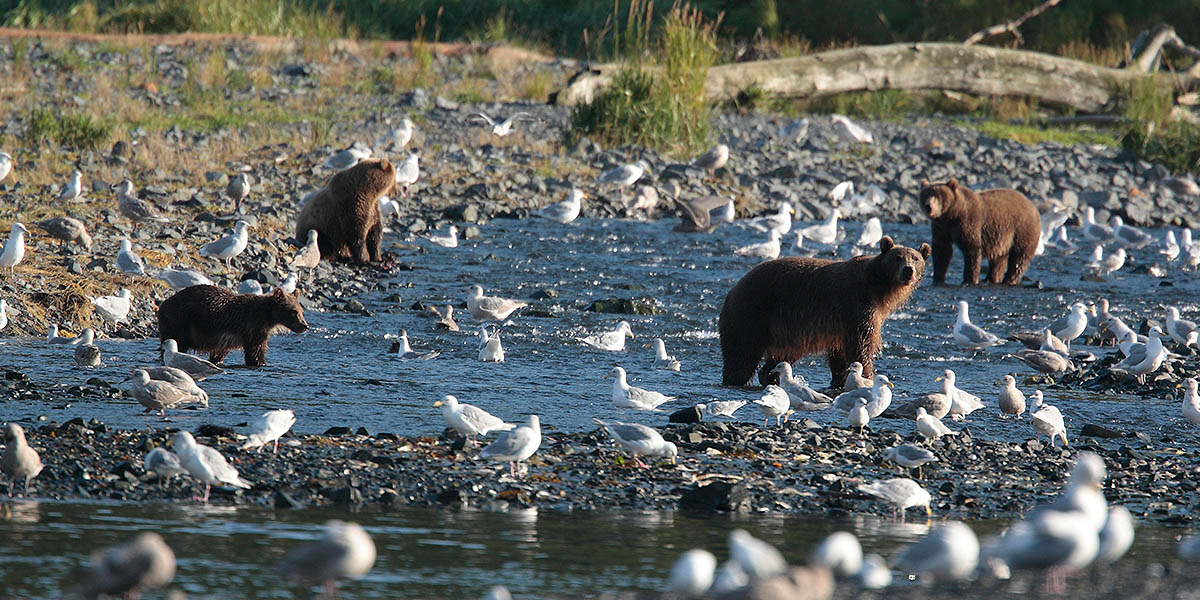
{"x": 277, "y": 294}
{"x": 952, "y": 184}
{"x": 925, "y": 250}
{"x": 924, "y": 183}
{"x": 886, "y": 244}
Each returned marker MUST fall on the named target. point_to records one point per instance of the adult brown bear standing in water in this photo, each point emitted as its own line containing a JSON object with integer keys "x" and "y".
{"x": 213, "y": 319}
{"x": 786, "y": 308}
{"x": 345, "y": 212}
{"x": 1001, "y": 225}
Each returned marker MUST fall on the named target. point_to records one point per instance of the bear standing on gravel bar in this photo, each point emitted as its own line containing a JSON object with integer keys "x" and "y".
{"x": 786, "y": 308}
{"x": 1001, "y": 225}
{"x": 213, "y": 319}
{"x": 345, "y": 212}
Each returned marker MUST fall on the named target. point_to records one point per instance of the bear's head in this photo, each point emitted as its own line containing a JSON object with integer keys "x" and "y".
{"x": 937, "y": 198}
{"x": 900, "y": 264}
{"x": 370, "y": 178}
{"x": 286, "y": 310}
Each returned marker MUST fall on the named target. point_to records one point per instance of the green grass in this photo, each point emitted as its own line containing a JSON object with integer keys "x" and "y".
{"x": 77, "y": 130}
{"x": 1029, "y": 134}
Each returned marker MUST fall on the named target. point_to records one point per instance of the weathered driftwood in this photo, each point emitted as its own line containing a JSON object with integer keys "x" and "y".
{"x": 979, "y": 70}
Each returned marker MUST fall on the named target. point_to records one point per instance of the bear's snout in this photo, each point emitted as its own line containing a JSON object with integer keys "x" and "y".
{"x": 300, "y": 326}
{"x": 906, "y": 274}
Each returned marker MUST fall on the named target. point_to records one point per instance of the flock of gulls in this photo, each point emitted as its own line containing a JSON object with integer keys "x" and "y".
{"x": 1075, "y": 530}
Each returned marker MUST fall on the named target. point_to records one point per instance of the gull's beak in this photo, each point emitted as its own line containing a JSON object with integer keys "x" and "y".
{"x": 631, "y": 335}
{"x": 609, "y": 376}
{"x": 890, "y": 384}
{"x": 940, "y": 377}
{"x": 438, "y": 403}
{"x": 673, "y": 461}
{"x": 928, "y": 512}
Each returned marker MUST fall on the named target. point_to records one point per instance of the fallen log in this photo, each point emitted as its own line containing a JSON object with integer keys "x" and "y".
{"x": 978, "y": 70}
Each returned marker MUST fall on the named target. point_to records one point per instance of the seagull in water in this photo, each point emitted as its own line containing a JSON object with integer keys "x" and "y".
{"x": 408, "y": 173}
{"x": 639, "y": 440}
{"x": 824, "y": 233}
{"x": 505, "y": 127}
{"x": 1130, "y": 237}
{"x": 3, "y": 314}
{"x": 268, "y": 428}
{"x": 871, "y": 233}
{"x": 948, "y": 553}
{"x": 470, "y": 420}
{"x": 566, "y": 211}
{"x": 627, "y": 396}
{"x": 876, "y": 398}
{"x": 1011, "y": 400}
{"x": 205, "y": 464}
{"x": 692, "y": 574}
{"x": 1047, "y": 420}
{"x": 344, "y": 550}
{"x": 53, "y": 337}
{"x": 146, "y": 562}
{"x": 194, "y": 366}
{"x": 401, "y": 348}
{"x": 1191, "y": 401}
{"x": 1093, "y": 231}
{"x": 491, "y": 350}
{"x": 14, "y": 248}
{"x": 228, "y": 247}
{"x": 970, "y": 335}
{"x": 611, "y": 341}
{"x": 450, "y": 240}
{"x": 87, "y": 354}
{"x": 780, "y": 221}
{"x": 486, "y": 308}
{"x": 799, "y": 393}
{"x": 1113, "y": 262}
{"x": 516, "y": 446}
{"x": 768, "y": 250}
{"x": 661, "y": 359}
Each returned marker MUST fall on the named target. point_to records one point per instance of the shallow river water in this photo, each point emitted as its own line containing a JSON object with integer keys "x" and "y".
{"x": 338, "y": 374}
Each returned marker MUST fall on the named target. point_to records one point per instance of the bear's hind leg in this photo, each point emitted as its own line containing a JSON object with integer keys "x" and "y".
{"x": 1018, "y": 263}
{"x": 375, "y": 241}
{"x": 739, "y": 364}
{"x": 215, "y": 357}
{"x": 996, "y": 268}
{"x": 837, "y": 367}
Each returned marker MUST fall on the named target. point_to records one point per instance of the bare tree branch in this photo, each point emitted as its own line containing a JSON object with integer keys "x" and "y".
{"x": 1011, "y": 26}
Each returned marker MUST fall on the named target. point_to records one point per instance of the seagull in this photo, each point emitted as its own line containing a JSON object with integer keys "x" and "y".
{"x": 692, "y": 574}
{"x": 156, "y": 395}
{"x": 53, "y": 337}
{"x": 1130, "y": 237}
{"x": 774, "y": 403}
{"x": 720, "y": 408}
{"x": 486, "y": 308}
{"x": 228, "y": 247}
{"x": 825, "y": 233}
{"x": 515, "y": 446}
{"x": 348, "y": 157}
{"x": 840, "y": 552}
{"x": 74, "y": 188}
{"x": 238, "y": 189}
{"x": 661, "y": 359}
{"x": 1093, "y": 231}
{"x": 491, "y": 350}
{"x": 566, "y": 211}
{"x": 1191, "y": 401}
{"x": 133, "y": 208}
{"x": 794, "y": 132}
{"x": 802, "y": 396}
{"x": 768, "y": 250}
{"x": 698, "y": 215}
{"x": 931, "y": 427}
{"x": 627, "y": 396}
{"x": 14, "y": 248}
{"x": 871, "y": 233}
{"x": 402, "y": 349}
{"x": 1179, "y": 329}
{"x": 713, "y": 159}
{"x": 757, "y": 558}
{"x": 624, "y": 176}
{"x": 1117, "y": 535}
{"x": 1063, "y": 243}
{"x": 611, "y": 341}
{"x": 841, "y": 191}
{"x": 205, "y": 464}
{"x": 310, "y": 255}
{"x": 877, "y": 397}
{"x": 129, "y": 263}
{"x": 1170, "y": 247}
{"x": 182, "y": 278}
{"x": 899, "y": 492}
{"x": 87, "y": 354}
{"x": 909, "y": 456}
{"x": 289, "y": 284}
{"x": 181, "y": 380}
{"x": 505, "y": 127}
{"x": 1011, "y": 401}
{"x": 1097, "y": 257}
{"x": 854, "y": 377}
{"x": 344, "y": 550}
{"x": 194, "y": 366}
{"x": 1146, "y": 361}
{"x": 937, "y": 404}
{"x": 3, "y": 314}
{"x": 850, "y": 132}
{"x": 398, "y": 137}
{"x": 269, "y": 428}
{"x": 6, "y": 165}
{"x": 1047, "y": 420}
{"x": 66, "y": 229}
{"x": 163, "y": 463}
{"x": 646, "y": 198}
{"x": 1048, "y": 362}
{"x": 970, "y": 335}
{"x": 859, "y": 416}
{"x": 780, "y": 221}
{"x": 950, "y": 552}
{"x": 123, "y": 571}
{"x": 639, "y": 440}
{"x": 450, "y": 240}
{"x": 114, "y": 309}
{"x": 1113, "y": 262}
{"x": 445, "y": 321}
{"x": 19, "y": 460}
{"x": 408, "y": 173}
{"x": 389, "y": 209}
{"x": 1072, "y": 325}
{"x": 722, "y": 214}
{"x": 470, "y": 420}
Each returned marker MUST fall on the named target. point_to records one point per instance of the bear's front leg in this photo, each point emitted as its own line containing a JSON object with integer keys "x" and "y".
{"x": 256, "y": 352}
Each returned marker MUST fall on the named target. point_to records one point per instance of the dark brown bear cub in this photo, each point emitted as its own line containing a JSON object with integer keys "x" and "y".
{"x": 790, "y": 307}
{"x": 1001, "y": 225}
{"x": 345, "y": 212}
{"x": 215, "y": 320}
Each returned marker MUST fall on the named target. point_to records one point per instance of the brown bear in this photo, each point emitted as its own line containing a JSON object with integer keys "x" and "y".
{"x": 1001, "y": 225}
{"x": 345, "y": 212}
{"x": 789, "y": 307}
{"x": 213, "y": 319}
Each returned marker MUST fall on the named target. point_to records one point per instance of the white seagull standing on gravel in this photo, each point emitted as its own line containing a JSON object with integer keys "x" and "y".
{"x": 14, "y": 248}
{"x": 1047, "y": 419}
{"x": 113, "y": 309}
{"x": 713, "y": 159}
{"x": 182, "y": 278}
{"x": 515, "y": 446}
{"x": 226, "y": 248}
{"x": 502, "y": 128}
{"x": 408, "y": 173}
{"x": 970, "y": 335}
{"x": 74, "y": 188}
{"x": 1191, "y": 401}
{"x": 624, "y": 175}
{"x": 128, "y": 262}
{"x": 774, "y": 402}
{"x": 851, "y": 132}
{"x": 470, "y": 420}
{"x": 398, "y": 137}
{"x": 6, "y": 165}
{"x": 269, "y": 428}
{"x": 205, "y": 464}
{"x": 639, "y": 440}
{"x": 238, "y": 190}
{"x": 566, "y": 211}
